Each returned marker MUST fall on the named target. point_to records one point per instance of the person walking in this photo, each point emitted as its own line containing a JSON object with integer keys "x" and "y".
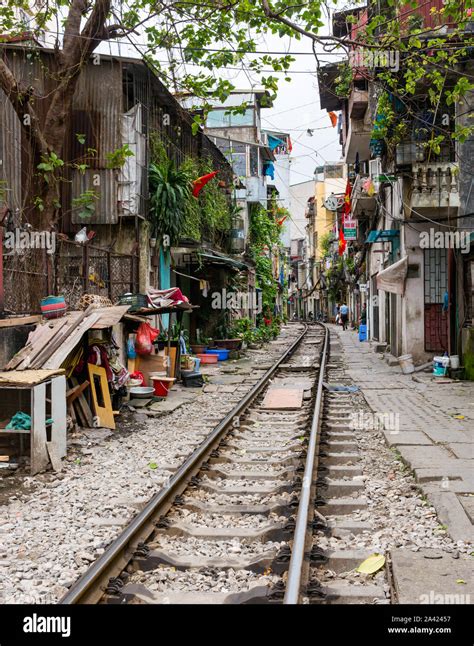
{"x": 344, "y": 312}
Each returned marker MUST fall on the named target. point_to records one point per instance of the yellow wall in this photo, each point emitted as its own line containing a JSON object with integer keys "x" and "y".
{"x": 324, "y": 219}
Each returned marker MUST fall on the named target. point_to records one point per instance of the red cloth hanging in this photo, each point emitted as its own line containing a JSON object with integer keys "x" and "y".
{"x": 200, "y": 182}
{"x": 342, "y": 240}
{"x": 347, "y": 199}
{"x": 333, "y": 117}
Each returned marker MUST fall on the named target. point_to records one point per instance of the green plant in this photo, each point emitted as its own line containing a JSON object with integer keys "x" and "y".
{"x": 49, "y": 165}
{"x": 170, "y": 188}
{"x": 241, "y": 326}
{"x": 85, "y": 204}
{"x": 118, "y": 157}
{"x": 264, "y": 240}
{"x": 344, "y": 80}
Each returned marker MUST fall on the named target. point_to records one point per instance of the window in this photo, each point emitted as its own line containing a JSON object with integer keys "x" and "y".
{"x": 222, "y": 119}
{"x": 333, "y": 171}
{"x": 236, "y": 154}
{"x": 254, "y": 166}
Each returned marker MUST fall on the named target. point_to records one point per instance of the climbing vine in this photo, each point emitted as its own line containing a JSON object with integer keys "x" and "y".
{"x": 264, "y": 236}
{"x": 210, "y": 214}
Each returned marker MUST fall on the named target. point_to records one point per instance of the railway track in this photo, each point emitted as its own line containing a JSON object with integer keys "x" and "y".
{"x": 238, "y": 521}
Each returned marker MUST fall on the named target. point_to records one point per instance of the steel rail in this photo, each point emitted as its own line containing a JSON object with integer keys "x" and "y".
{"x": 293, "y": 585}
{"x": 87, "y": 589}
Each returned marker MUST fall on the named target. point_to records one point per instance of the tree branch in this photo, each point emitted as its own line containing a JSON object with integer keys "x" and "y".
{"x": 20, "y": 101}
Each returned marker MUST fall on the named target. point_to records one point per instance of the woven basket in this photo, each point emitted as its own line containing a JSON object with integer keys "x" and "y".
{"x": 95, "y": 300}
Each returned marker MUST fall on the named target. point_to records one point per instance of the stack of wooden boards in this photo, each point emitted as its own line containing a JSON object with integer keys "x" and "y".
{"x": 50, "y": 344}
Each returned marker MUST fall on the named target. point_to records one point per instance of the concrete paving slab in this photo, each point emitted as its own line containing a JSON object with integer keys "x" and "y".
{"x": 424, "y": 456}
{"x": 443, "y": 435}
{"x": 452, "y": 513}
{"x": 400, "y": 438}
{"x": 226, "y": 379}
{"x": 139, "y": 403}
{"x": 283, "y": 398}
{"x": 467, "y": 503}
{"x": 170, "y": 404}
{"x": 431, "y": 577}
{"x": 463, "y": 450}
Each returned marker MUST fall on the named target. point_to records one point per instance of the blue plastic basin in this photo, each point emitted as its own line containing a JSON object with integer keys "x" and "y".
{"x": 222, "y": 355}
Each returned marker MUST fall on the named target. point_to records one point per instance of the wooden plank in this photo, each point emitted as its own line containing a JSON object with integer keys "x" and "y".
{"x": 149, "y": 363}
{"x": 82, "y": 409}
{"x": 20, "y": 320}
{"x": 60, "y": 354}
{"x": 54, "y": 457}
{"x": 36, "y": 341}
{"x": 58, "y": 414}
{"x": 74, "y": 392}
{"x": 172, "y": 354}
{"x": 62, "y": 341}
{"x": 79, "y": 414}
{"x": 72, "y": 413}
{"x": 104, "y": 414}
{"x": 39, "y": 453}
{"x": 4, "y": 458}
{"x": 110, "y": 316}
{"x": 27, "y": 377}
{"x": 283, "y": 399}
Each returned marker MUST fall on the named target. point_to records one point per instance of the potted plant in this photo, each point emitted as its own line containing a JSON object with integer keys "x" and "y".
{"x": 170, "y": 190}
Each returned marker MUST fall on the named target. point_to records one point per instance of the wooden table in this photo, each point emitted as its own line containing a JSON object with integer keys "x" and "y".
{"x": 32, "y": 388}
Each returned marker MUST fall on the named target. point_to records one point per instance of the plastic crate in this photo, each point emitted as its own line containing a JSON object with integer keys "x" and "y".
{"x": 193, "y": 380}
{"x": 136, "y": 301}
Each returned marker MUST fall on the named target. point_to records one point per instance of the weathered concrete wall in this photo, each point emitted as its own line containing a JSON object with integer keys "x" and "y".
{"x": 12, "y": 339}
{"x": 413, "y": 332}
{"x": 468, "y": 353}
{"x": 466, "y": 159}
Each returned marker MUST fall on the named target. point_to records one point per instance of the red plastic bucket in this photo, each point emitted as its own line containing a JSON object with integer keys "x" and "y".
{"x": 162, "y": 385}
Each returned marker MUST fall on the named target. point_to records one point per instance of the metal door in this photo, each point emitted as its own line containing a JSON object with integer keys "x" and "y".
{"x": 435, "y": 288}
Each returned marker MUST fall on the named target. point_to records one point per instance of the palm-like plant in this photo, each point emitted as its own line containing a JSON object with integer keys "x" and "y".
{"x": 170, "y": 188}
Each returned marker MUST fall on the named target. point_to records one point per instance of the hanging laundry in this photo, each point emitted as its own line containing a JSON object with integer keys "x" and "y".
{"x": 333, "y": 117}
{"x": 269, "y": 169}
{"x": 274, "y": 142}
{"x": 166, "y": 297}
{"x": 357, "y": 164}
{"x": 369, "y": 187}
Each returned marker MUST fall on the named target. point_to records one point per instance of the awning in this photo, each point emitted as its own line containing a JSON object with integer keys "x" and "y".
{"x": 393, "y": 278}
{"x": 215, "y": 258}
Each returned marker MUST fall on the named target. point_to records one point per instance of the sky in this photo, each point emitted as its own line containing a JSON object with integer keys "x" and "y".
{"x": 297, "y": 108}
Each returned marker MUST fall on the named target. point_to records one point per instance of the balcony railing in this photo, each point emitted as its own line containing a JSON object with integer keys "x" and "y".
{"x": 361, "y": 201}
{"x": 435, "y": 186}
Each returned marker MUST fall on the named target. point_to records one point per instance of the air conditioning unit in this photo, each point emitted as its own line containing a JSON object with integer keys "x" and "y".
{"x": 375, "y": 170}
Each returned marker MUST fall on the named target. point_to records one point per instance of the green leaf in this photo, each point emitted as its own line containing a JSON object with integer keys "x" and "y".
{"x": 153, "y": 465}
{"x": 81, "y": 138}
